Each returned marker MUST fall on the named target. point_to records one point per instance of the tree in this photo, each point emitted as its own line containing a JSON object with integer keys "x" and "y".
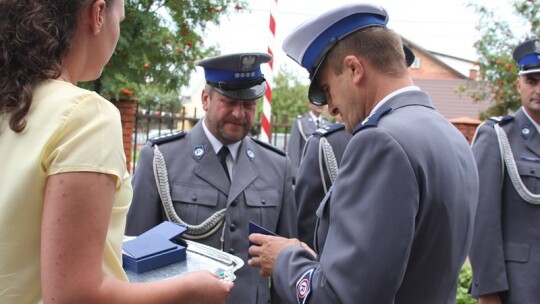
{"x": 160, "y": 41}
{"x": 495, "y": 47}
{"x": 289, "y": 98}
{"x": 289, "y": 94}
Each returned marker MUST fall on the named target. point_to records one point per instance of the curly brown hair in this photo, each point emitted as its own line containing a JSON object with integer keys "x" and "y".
{"x": 34, "y": 37}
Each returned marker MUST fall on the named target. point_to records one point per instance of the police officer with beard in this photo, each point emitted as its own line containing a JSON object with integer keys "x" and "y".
{"x": 215, "y": 179}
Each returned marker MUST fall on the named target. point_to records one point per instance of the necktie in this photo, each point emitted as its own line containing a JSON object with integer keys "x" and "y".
{"x": 222, "y": 155}
{"x": 317, "y": 120}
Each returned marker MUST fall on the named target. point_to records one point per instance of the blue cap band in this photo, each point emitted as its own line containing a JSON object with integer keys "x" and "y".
{"x": 533, "y": 59}
{"x": 335, "y": 33}
{"x": 219, "y": 75}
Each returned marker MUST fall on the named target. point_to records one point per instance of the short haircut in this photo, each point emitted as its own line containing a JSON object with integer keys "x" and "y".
{"x": 382, "y": 47}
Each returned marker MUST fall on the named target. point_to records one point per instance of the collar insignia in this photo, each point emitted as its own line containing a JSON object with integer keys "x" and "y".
{"x": 198, "y": 152}
{"x": 250, "y": 154}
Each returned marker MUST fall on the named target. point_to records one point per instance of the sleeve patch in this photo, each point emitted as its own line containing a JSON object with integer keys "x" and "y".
{"x": 303, "y": 287}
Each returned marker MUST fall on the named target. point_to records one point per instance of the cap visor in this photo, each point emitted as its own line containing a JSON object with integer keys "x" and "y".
{"x": 316, "y": 95}
{"x": 531, "y": 71}
{"x": 252, "y": 93}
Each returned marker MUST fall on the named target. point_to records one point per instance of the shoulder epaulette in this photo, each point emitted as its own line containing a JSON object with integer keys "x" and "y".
{"x": 269, "y": 146}
{"x": 328, "y": 129}
{"x": 501, "y": 120}
{"x": 158, "y": 140}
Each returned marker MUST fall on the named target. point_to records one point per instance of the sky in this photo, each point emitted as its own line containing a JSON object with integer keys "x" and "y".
{"x": 446, "y": 27}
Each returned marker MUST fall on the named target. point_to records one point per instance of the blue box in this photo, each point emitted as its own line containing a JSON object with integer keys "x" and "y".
{"x": 154, "y": 248}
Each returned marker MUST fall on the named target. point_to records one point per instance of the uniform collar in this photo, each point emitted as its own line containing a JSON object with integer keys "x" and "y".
{"x": 315, "y": 118}
{"x": 387, "y": 97}
{"x": 535, "y": 124}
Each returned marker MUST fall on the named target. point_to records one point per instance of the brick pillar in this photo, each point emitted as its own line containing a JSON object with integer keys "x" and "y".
{"x": 466, "y": 126}
{"x": 127, "y": 113}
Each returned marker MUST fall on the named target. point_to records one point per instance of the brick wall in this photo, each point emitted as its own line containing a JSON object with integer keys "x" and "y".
{"x": 127, "y": 113}
{"x": 466, "y": 126}
{"x": 430, "y": 69}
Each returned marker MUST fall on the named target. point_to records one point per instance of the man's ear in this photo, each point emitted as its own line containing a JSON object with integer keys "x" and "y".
{"x": 97, "y": 16}
{"x": 204, "y": 99}
{"x": 355, "y": 67}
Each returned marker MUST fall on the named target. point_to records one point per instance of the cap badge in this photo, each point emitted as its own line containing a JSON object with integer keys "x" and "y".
{"x": 248, "y": 62}
{"x": 537, "y": 46}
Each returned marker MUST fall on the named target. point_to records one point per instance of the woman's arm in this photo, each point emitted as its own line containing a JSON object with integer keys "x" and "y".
{"x": 76, "y": 214}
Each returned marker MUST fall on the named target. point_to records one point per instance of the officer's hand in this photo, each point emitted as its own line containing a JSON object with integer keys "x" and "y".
{"x": 492, "y": 298}
{"x": 264, "y": 255}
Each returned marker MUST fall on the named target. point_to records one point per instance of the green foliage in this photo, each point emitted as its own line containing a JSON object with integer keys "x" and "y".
{"x": 495, "y": 48}
{"x": 465, "y": 279}
{"x": 160, "y": 41}
{"x": 289, "y": 98}
{"x": 289, "y": 95}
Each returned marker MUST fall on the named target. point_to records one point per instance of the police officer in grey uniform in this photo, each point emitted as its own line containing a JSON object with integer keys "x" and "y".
{"x": 396, "y": 225}
{"x": 190, "y": 178}
{"x": 318, "y": 170}
{"x": 302, "y": 128}
{"x": 505, "y": 253}
{"x": 322, "y": 155}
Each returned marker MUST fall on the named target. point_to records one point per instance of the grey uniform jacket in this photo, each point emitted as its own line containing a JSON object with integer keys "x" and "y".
{"x": 261, "y": 192}
{"x": 314, "y": 177}
{"x": 505, "y": 253}
{"x": 397, "y": 225}
{"x": 302, "y": 128}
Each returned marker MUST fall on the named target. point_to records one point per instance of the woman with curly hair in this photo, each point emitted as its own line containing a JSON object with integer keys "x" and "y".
{"x": 65, "y": 189}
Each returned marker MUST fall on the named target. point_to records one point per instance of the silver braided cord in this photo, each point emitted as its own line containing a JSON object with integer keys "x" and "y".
{"x": 195, "y": 232}
{"x": 508, "y": 158}
{"x": 326, "y": 154}
{"x": 301, "y": 129}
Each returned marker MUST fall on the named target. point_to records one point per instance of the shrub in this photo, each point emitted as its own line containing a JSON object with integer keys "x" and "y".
{"x": 465, "y": 279}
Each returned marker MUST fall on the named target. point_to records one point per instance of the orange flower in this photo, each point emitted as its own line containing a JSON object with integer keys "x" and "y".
{"x": 127, "y": 91}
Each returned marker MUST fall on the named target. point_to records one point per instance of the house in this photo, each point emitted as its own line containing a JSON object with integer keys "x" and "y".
{"x": 440, "y": 75}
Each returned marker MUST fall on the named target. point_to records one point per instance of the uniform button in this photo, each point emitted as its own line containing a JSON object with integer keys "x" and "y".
{"x": 234, "y": 203}
{"x": 263, "y": 201}
{"x": 231, "y": 251}
{"x": 194, "y": 198}
{"x": 232, "y": 227}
